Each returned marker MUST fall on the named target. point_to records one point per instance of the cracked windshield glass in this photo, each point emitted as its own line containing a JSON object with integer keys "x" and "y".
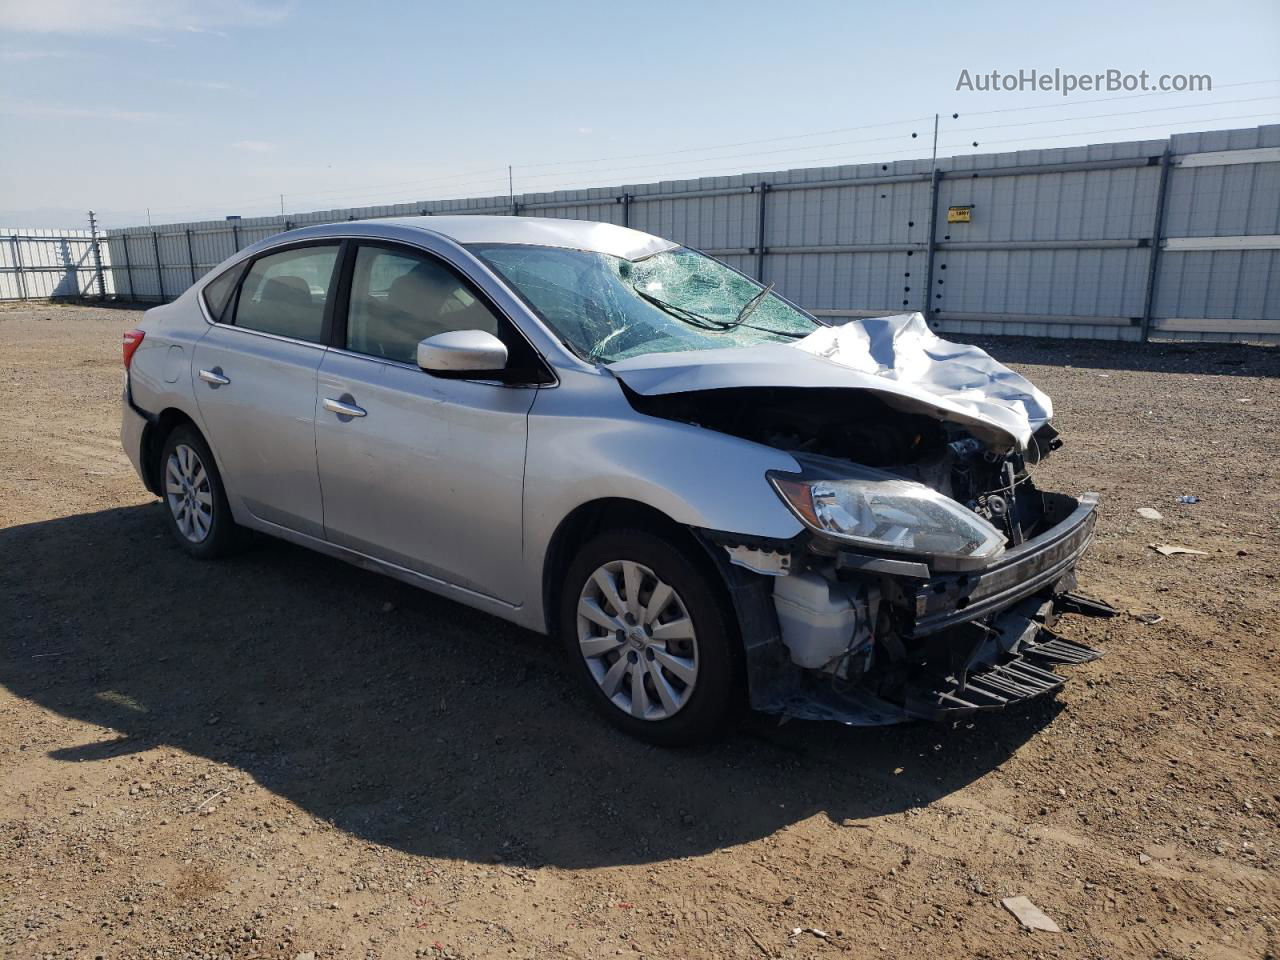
{"x": 607, "y": 308}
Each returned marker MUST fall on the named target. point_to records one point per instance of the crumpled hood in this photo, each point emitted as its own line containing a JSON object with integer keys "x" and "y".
{"x": 898, "y": 358}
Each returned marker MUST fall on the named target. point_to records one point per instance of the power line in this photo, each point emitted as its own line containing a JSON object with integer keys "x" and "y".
{"x": 1126, "y": 96}
{"x": 1148, "y": 126}
{"x": 725, "y": 146}
{"x": 890, "y": 123}
{"x": 921, "y": 151}
{"x": 364, "y": 195}
{"x": 340, "y": 191}
{"x": 823, "y": 146}
{"x": 734, "y": 156}
{"x": 1122, "y": 113}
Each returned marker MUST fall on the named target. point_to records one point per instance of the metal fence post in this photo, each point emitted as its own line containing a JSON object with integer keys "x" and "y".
{"x": 235, "y": 236}
{"x": 1153, "y": 262}
{"x": 155, "y": 245}
{"x": 625, "y": 200}
{"x": 762, "y": 188}
{"x": 97, "y": 257}
{"x": 128, "y": 267}
{"x": 17, "y": 268}
{"x": 191, "y": 257}
{"x": 932, "y": 247}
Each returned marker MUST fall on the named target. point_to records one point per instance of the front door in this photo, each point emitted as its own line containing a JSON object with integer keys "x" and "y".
{"x": 419, "y": 471}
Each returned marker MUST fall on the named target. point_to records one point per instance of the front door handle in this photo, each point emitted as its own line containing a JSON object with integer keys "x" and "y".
{"x": 343, "y": 409}
{"x": 214, "y": 377}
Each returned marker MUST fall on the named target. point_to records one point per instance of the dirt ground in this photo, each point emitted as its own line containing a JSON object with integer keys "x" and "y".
{"x": 284, "y": 755}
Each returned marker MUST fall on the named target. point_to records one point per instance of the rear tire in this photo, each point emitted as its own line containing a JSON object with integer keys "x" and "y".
{"x": 647, "y": 635}
{"x": 195, "y": 502}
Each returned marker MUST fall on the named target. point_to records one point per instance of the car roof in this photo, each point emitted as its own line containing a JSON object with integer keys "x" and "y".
{"x": 605, "y": 238}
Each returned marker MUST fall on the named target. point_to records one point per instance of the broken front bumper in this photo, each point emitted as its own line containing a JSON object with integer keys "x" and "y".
{"x": 970, "y": 642}
{"x": 1042, "y": 562}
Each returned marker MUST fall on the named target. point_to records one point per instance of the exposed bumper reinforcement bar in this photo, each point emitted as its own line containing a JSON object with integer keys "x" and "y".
{"x": 1027, "y": 569}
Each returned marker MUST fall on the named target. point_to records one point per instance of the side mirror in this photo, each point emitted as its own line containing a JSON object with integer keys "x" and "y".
{"x": 462, "y": 351}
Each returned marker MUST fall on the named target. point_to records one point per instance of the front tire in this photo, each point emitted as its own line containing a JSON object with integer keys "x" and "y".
{"x": 648, "y": 636}
{"x": 196, "y": 509}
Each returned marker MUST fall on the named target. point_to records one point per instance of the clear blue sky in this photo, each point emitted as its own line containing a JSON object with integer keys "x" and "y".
{"x": 200, "y": 109}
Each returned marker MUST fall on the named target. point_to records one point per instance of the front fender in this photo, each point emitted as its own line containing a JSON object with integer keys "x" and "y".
{"x": 587, "y": 443}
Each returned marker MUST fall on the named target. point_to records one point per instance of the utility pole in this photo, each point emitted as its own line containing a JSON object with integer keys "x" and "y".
{"x": 934, "y": 161}
{"x": 511, "y": 190}
{"x": 282, "y": 204}
{"x": 97, "y": 257}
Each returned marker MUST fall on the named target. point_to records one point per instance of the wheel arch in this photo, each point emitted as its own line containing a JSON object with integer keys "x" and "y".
{"x": 154, "y": 435}
{"x": 616, "y": 513}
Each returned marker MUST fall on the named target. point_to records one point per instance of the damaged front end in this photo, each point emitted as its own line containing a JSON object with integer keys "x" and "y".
{"x": 931, "y": 569}
{"x": 867, "y": 638}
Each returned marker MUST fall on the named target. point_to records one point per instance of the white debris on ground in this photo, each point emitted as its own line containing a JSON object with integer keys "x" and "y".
{"x": 1029, "y": 915}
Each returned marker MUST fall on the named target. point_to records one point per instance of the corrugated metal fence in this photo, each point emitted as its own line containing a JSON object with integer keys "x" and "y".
{"x": 35, "y": 264}
{"x": 1165, "y": 238}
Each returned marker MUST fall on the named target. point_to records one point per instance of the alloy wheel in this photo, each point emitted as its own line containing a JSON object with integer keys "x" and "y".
{"x": 187, "y": 491}
{"x": 638, "y": 640}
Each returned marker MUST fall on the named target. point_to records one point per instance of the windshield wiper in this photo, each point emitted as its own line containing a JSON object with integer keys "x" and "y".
{"x": 716, "y": 326}
{"x": 749, "y": 307}
{"x": 681, "y": 313}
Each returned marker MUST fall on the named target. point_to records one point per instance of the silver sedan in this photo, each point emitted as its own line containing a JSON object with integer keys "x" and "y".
{"x": 712, "y": 498}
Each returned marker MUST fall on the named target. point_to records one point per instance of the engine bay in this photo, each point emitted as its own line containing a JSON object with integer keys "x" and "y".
{"x": 859, "y": 427}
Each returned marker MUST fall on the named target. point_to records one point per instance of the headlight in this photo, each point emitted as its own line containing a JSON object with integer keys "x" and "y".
{"x": 879, "y": 511}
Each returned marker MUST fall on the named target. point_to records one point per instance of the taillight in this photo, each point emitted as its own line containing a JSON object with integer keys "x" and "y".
{"x": 132, "y": 340}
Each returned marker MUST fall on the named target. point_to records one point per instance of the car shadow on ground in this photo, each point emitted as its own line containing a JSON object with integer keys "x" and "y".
{"x": 412, "y": 721}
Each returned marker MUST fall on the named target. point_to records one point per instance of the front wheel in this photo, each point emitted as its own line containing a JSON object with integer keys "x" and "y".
{"x": 645, "y": 631}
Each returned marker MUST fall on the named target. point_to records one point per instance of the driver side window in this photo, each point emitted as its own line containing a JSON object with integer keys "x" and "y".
{"x": 399, "y": 298}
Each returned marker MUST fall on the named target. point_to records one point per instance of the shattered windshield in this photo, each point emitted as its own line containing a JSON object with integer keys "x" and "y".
{"x": 607, "y": 308}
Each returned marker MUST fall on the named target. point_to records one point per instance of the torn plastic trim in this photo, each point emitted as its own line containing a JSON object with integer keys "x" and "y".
{"x": 767, "y": 556}
{"x": 770, "y": 674}
{"x": 769, "y": 563}
{"x": 1012, "y": 668}
{"x": 1018, "y": 669}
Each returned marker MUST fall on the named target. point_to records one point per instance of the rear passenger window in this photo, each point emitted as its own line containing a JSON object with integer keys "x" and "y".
{"x": 285, "y": 293}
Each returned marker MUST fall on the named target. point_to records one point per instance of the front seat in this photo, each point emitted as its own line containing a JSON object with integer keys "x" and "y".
{"x": 413, "y": 311}
{"x": 420, "y": 294}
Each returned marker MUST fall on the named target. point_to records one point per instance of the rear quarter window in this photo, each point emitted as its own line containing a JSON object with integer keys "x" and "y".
{"x": 217, "y": 292}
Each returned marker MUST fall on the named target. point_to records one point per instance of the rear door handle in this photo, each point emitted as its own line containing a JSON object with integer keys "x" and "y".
{"x": 214, "y": 377}
{"x": 343, "y": 409}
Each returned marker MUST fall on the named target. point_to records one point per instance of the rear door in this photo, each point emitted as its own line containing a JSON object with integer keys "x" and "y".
{"x": 428, "y": 473}
{"x": 256, "y": 384}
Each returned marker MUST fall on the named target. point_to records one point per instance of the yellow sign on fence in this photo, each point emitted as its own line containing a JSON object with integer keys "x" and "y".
{"x": 959, "y": 214}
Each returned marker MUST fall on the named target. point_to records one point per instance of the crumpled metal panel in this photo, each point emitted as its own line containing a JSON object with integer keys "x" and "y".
{"x": 897, "y": 357}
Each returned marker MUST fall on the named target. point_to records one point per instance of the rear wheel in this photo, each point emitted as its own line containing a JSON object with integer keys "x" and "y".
{"x": 645, "y": 631}
{"x": 196, "y": 508}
